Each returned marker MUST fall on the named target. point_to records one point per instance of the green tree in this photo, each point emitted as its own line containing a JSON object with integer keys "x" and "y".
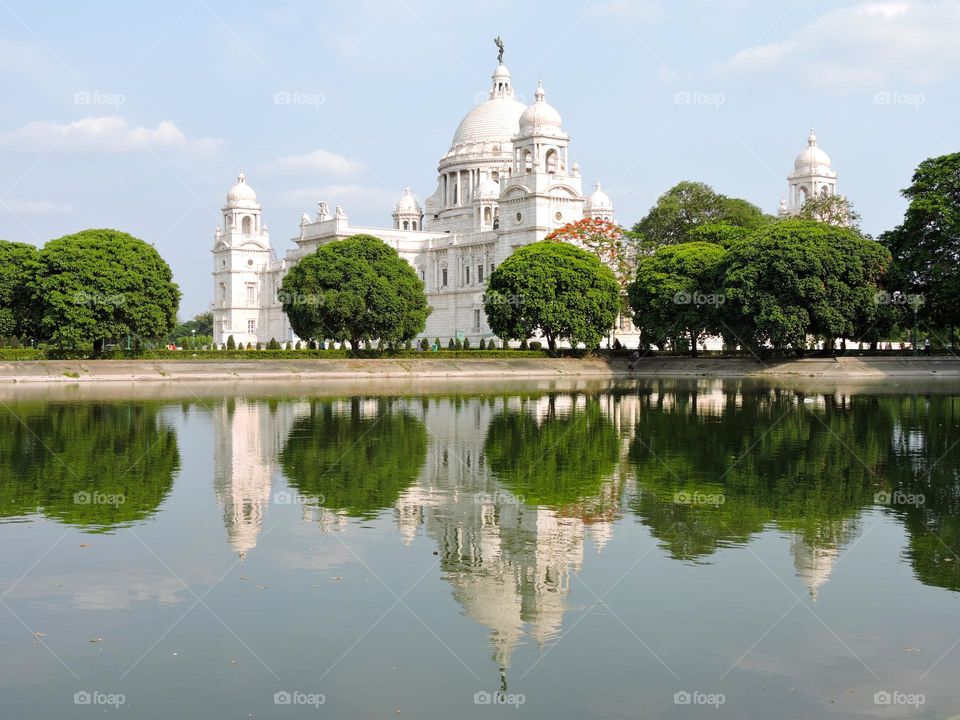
{"x": 797, "y": 278}
{"x": 354, "y": 461}
{"x": 358, "y": 288}
{"x": 677, "y": 292}
{"x": 17, "y": 310}
{"x": 558, "y": 289}
{"x": 201, "y": 325}
{"x": 100, "y": 285}
{"x": 831, "y": 209}
{"x": 926, "y": 245}
{"x": 689, "y": 205}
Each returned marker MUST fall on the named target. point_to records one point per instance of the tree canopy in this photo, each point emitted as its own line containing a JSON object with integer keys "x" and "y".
{"x": 798, "y": 277}
{"x": 17, "y": 266}
{"x": 357, "y": 288}
{"x": 926, "y": 245}
{"x": 101, "y": 285}
{"x": 675, "y": 295}
{"x": 830, "y": 209}
{"x": 556, "y": 288}
{"x": 689, "y": 205}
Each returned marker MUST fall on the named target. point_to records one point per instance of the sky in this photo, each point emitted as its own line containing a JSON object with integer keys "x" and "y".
{"x": 138, "y": 116}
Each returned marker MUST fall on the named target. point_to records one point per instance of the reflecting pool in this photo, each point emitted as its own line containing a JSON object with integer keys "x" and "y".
{"x": 654, "y": 549}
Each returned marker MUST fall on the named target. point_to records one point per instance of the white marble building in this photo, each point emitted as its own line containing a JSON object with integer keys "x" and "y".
{"x": 507, "y": 180}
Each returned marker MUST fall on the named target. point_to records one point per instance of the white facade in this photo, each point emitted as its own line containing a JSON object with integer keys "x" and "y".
{"x": 506, "y": 181}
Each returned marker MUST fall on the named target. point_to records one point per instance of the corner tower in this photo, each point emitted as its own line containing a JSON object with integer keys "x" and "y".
{"x": 241, "y": 255}
{"x": 813, "y": 174}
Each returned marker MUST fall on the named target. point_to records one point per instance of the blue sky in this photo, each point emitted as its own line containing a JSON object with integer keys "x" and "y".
{"x": 137, "y": 116}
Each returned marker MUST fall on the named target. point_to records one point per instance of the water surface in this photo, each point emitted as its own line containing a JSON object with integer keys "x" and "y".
{"x": 662, "y": 549}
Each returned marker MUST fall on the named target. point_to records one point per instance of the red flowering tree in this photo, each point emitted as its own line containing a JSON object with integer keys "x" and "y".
{"x": 606, "y": 240}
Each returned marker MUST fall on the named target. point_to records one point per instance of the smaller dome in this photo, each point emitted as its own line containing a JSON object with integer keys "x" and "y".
{"x": 488, "y": 189}
{"x": 541, "y": 117}
{"x": 408, "y": 204}
{"x": 241, "y": 192}
{"x": 598, "y": 200}
{"x": 812, "y": 157}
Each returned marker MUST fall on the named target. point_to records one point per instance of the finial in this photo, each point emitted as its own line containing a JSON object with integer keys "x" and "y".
{"x": 812, "y": 139}
{"x": 597, "y": 184}
{"x": 540, "y": 91}
{"x": 241, "y": 177}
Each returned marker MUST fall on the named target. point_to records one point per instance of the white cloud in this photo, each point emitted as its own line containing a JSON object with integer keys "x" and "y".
{"x": 355, "y": 199}
{"x": 320, "y": 161}
{"x": 14, "y": 206}
{"x": 106, "y": 134}
{"x": 864, "y": 46}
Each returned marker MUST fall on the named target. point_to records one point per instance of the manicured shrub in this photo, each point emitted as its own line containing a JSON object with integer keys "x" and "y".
{"x": 231, "y": 343}
{"x": 536, "y": 345}
{"x": 451, "y": 345}
{"x": 483, "y": 344}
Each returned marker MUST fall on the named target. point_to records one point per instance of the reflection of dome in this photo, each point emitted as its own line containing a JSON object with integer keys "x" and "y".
{"x": 812, "y": 157}
{"x": 813, "y": 564}
{"x": 241, "y": 192}
{"x": 541, "y": 117}
{"x": 494, "y": 120}
{"x": 408, "y": 204}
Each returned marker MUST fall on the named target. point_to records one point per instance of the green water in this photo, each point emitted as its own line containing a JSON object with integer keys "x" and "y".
{"x": 716, "y": 549}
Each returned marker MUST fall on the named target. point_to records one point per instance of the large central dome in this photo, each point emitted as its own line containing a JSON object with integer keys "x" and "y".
{"x": 497, "y": 119}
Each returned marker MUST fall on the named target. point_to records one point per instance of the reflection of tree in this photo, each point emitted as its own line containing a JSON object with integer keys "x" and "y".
{"x": 94, "y": 465}
{"x": 357, "y": 461}
{"x": 556, "y": 460}
{"x": 926, "y": 462}
{"x": 806, "y": 464}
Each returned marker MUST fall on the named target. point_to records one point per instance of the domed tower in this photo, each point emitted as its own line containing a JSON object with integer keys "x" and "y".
{"x": 812, "y": 175}
{"x": 480, "y": 149}
{"x": 241, "y": 254}
{"x": 543, "y": 191}
{"x": 408, "y": 215}
{"x": 599, "y": 206}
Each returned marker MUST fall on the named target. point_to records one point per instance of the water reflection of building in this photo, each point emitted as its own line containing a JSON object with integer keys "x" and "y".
{"x": 815, "y": 559}
{"x": 510, "y": 564}
{"x": 248, "y": 436}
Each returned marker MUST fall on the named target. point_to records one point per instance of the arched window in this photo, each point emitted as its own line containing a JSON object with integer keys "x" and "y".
{"x": 551, "y": 161}
{"x": 528, "y": 160}
{"x": 413, "y": 225}
{"x": 406, "y": 225}
{"x": 487, "y": 215}
{"x": 247, "y": 225}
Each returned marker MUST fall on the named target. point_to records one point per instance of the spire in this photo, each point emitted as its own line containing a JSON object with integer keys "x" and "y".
{"x": 812, "y": 139}
{"x": 541, "y": 94}
{"x": 241, "y": 178}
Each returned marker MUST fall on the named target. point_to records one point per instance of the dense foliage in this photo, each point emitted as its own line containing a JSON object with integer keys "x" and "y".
{"x": 926, "y": 245}
{"x": 102, "y": 285}
{"x": 17, "y": 266}
{"x": 356, "y": 289}
{"x": 555, "y": 288}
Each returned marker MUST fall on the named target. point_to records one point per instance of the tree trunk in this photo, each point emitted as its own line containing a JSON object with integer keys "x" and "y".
{"x": 355, "y": 344}
{"x": 693, "y": 344}
{"x": 98, "y": 347}
{"x": 551, "y": 343}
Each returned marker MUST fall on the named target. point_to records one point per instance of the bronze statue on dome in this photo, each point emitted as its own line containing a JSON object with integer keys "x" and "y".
{"x": 498, "y": 41}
